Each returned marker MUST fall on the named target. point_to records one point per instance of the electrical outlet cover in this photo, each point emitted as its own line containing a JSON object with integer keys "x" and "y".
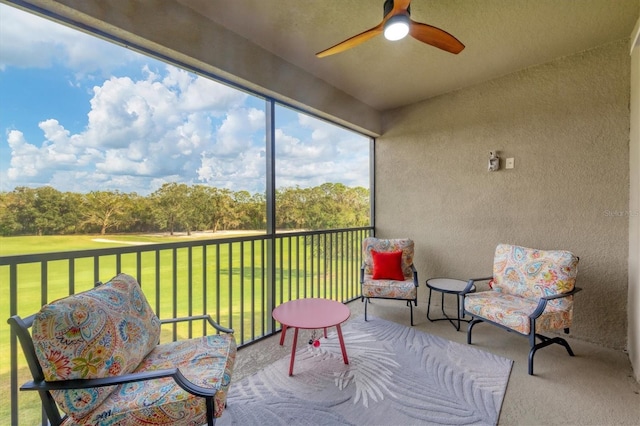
{"x": 510, "y": 163}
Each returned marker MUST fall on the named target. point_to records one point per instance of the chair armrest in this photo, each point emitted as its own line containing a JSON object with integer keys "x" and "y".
{"x": 196, "y": 318}
{"x": 560, "y": 295}
{"x": 415, "y": 275}
{"x": 471, "y": 283}
{"x": 543, "y": 301}
{"x": 183, "y": 382}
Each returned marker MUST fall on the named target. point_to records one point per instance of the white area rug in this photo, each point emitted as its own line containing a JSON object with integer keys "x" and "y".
{"x": 396, "y": 376}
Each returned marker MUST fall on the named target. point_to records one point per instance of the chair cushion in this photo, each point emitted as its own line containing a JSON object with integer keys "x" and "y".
{"x": 206, "y": 361}
{"x": 533, "y": 273}
{"x": 101, "y": 332}
{"x": 387, "y": 265}
{"x": 405, "y": 245}
{"x": 389, "y": 289}
{"x": 513, "y": 311}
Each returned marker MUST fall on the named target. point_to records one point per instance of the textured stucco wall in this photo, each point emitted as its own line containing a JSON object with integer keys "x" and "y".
{"x": 566, "y": 124}
{"x": 634, "y": 208}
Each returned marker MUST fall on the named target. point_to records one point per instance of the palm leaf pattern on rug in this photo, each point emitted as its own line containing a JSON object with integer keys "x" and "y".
{"x": 452, "y": 382}
{"x": 396, "y": 375}
{"x": 372, "y": 368}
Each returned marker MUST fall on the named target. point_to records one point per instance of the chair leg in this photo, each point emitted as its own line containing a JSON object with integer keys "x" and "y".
{"x": 470, "y": 327}
{"x": 457, "y": 310}
{"x": 211, "y": 420}
{"x": 411, "y": 308}
{"x": 366, "y": 302}
{"x": 546, "y": 341}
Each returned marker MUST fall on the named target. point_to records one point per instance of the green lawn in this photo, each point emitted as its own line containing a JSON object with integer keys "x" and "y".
{"x": 229, "y": 287}
{"x": 56, "y": 243}
{"x": 232, "y": 289}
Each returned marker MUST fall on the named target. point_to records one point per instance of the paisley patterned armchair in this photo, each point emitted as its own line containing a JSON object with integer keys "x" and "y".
{"x": 531, "y": 290}
{"x": 95, "y": 356}
{"x": 387, "y": 271}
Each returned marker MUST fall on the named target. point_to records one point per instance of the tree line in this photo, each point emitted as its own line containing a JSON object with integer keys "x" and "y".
{"x": 178, "y": 207}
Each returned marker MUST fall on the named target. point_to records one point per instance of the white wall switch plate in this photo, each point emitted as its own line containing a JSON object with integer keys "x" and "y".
{"x": 510, "y": 163}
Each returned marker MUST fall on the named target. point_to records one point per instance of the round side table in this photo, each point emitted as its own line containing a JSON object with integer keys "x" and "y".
{"x": 309, "y": 314}
{"x": 448, "y": 286}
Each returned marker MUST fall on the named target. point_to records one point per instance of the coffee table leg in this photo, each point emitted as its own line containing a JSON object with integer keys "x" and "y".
{"x": 344, "y": 351}
{"x": 284, "y": 333}
{"x": 293, "y": 350}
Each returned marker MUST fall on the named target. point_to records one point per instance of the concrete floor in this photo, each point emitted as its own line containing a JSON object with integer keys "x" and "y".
{"x": 596, "y": 387}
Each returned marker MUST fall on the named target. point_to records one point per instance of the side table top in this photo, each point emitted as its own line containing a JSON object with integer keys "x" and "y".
{"x": 448, "y": 285}
{"x": 311, "y": 313}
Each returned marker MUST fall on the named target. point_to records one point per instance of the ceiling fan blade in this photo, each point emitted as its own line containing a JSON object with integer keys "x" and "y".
{"x": 352, "y": 42}
{"x": 435, "y": 37}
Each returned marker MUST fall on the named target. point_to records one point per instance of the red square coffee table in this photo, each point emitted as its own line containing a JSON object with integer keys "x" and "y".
{"x": 311, "y": 314}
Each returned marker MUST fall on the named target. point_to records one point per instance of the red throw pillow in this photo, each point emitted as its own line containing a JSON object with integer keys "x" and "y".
{"x": 387, "y": 265}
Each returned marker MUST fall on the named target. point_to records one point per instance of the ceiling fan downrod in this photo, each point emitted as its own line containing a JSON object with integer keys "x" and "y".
{"x": 388, "y": 7}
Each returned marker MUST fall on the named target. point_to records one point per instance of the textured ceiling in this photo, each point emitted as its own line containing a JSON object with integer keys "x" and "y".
{"x": 501, "y": 36}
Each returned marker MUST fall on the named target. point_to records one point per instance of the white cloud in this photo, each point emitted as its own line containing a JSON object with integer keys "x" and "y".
{"x": 245, "y": 172}
{"x": 143, "y": 131}
{"x": 235, "y": 133}
{"x": 29, "y": 41}
{"x": 201, "y": 94}
{"x": 328, "y": 153}
{"x": 24, "y": 156}
{"x": 166, "y": 126}
{"x": 290, "y": 147}
{"x": 236, "y": 159}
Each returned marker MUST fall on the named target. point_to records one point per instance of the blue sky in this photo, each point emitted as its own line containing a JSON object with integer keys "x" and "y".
{"x": 81, "y": 114}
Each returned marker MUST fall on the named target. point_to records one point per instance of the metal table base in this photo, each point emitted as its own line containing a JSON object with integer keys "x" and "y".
{"x": 447, "y": 286}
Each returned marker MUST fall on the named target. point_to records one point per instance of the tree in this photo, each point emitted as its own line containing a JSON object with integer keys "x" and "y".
{"x": 72, "y": 213}
{"x": 103, "y": 209}
{"x": 23, "y": 205}
{"x": 138, "y": 214}
{"x": 170, "y": 202}
{"x": 197, "y": 207}
{"x": 251, "y": 210}
{"x": 219, "y": 208}
{"x": 362, "y": 206}
{"x": 316, "y": 211}
{"x": 177, "y": 206}
{"x": 50, "y": 207}
{"x": 9, "y": 224}
{"x": 291, "y": 204}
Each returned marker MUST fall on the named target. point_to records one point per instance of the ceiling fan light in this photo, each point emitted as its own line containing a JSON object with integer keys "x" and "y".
{"x": 397, "y": 27}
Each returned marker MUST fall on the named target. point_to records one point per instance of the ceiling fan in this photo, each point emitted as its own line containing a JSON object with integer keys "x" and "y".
{"x": 395, "y": 25}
